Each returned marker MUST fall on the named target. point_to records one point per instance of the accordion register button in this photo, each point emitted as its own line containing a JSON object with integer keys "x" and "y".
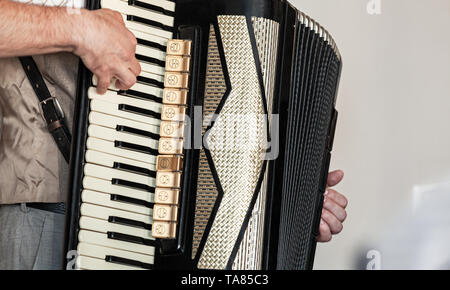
{"x": 166, "y": 196}
{"x": 172, "y": 129}
{"x": 168, "y": 179}
{"x": 171, "y": 146}
{"x": 169, "y": 163}
{"x": 179, "y": 47}
{"x": 174, "y": 97}
{"x": 164, "y": 230}
{"x": 175, "y": 63}
{"x": 173, "y": 113}
{"x": 176, "y": 80}
{"x": 165, "y": 213}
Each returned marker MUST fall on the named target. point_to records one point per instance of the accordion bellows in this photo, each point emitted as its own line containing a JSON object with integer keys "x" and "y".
{"x": 265, "y": 77}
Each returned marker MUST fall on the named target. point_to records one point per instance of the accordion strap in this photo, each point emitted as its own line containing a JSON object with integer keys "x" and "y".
{"x": 49, "y": 107}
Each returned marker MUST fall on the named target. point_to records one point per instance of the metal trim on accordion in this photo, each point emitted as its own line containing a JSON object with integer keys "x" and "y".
{"x": 218, "y": 157}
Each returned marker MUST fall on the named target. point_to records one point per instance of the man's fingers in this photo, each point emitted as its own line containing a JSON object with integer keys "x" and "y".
{"x": 335, "y": 177}
{"x": 103, "y": 84}
{"x": 335, "y": 209}
{"x": 125, "y": 79}
{"x": 324, "y": 232}
{"x": 337, "y": 197}
{"x": 335, "y": 225}
{"x": 135, "y": 67}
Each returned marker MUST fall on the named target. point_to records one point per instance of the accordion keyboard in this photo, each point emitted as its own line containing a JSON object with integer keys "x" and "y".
{"x": 122, "y": 148}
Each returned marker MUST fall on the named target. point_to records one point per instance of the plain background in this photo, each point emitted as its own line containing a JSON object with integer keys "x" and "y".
{"x": 393, "y": 136}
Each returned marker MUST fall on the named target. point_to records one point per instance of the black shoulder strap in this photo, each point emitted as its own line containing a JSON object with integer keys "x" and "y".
{"x": 49, "y": 106}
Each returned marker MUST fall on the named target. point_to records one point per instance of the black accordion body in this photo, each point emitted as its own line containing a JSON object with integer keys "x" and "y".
{"x": 218, "y": 157}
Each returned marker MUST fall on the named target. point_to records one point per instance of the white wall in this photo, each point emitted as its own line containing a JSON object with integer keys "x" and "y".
{"x": 394, "y": 129}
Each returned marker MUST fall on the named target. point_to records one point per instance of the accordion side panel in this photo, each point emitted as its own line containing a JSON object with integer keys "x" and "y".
{"x": 215, "y": 89}
{"x": 235, "y": 143}
{"x": 250, "y": 252}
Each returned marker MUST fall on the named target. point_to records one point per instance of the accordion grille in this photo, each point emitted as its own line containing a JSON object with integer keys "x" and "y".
{"x": 250, "y": 252}
{"x": 237, "y": 143}
{"x": 215, "y": 89}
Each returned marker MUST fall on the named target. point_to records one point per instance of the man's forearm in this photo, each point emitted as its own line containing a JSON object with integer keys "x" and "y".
{"x": 30, "y": 30}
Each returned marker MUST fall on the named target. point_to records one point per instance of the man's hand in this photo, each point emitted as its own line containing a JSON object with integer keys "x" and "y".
{"x": 107, "y": 48}
{"x": 333, "y": 213}
{"x": 99, "y": 37}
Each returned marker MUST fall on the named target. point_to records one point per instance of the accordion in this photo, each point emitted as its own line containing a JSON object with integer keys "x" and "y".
{"x": 217, "y": 158}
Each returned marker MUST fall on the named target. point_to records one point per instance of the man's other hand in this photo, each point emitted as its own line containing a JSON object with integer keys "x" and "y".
{"x": 107, "y": 48}
{"x": 333, "y": 213}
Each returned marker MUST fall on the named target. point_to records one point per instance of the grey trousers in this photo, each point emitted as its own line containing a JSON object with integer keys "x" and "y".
{"x": 30, "y": 239}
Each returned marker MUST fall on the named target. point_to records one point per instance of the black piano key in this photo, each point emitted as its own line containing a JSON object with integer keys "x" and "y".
{"x": 128, "y": 222}
{"x": 131, "y": 239}
{"x": 134, "y": 169}
{"x": 134, "y": 147}
{"x": 130, "y": 184}
{"x": 149, "y": 22}
{"x": 129, "y": 200}
{"x": 128, "y": 262}
{"x": 152, "y": 44}
{"x": 140, "y": 95}
{"x": 140, "y": 111}
{"x": 151, "y": 7}
{"x": 126, "y": 129}
{"x": 150, "y": 81}
{"x": 151, "y": 60}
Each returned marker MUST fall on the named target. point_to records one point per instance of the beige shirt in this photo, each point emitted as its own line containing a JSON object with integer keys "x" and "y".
{"x": 31, "y": 167}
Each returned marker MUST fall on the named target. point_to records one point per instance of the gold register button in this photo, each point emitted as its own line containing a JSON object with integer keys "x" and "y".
{"x": 164, "y": 230}
{"x": 175, "y": 97}
{"x": 166, "y": 196}
{"x": 165, "y": 213}
{"x": 168, "y": 179}
{"x": 169, "y": 163}
{"x": 176, "y": 80}
{"x": 179, "y": 47}
{"x": 176, "y": 63}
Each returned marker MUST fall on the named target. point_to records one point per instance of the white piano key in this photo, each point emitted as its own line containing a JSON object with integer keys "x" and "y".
{"x": 99, "y": 252}
{"x": 104, "y": 199}
{"x": 146, "y": 35}
{"x": 102, "y": 240}
{"x": 155, "y": 77}
{"x": 113, "y": 135}
{"x": 152, "y": 68}
{"x": 108, "y": 147}
{"x": 102, "y": 226}
{"x": 147, "y": 29}
{"x": 124, "y": 8}
{"x": 110, "y": 174}
{"x": 104, "y": 213}
{"x": 113, "y": 110}
{"x": 108, "y": 160}
{"x": 88, "y": 263}
{"x": 150, "y": 52}
{"x": 166, "y": 5}
{"x": 112, "y": 122}
{"x": 139, "y": 87}
{"x": 105, "y": 186}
